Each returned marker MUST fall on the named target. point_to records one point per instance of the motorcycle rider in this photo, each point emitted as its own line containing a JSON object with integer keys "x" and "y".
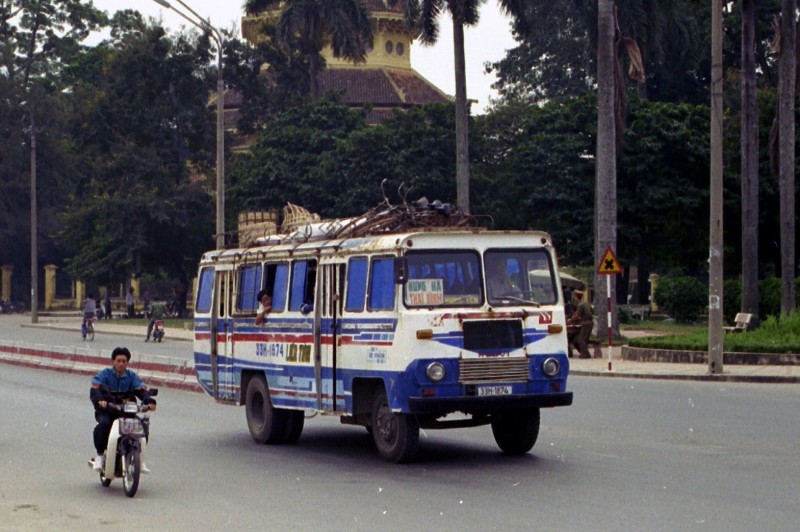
{"x": 157, "y": 312}
{"x": 117, "y": 378}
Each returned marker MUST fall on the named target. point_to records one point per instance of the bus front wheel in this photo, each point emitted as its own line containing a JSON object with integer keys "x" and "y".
{"x": 396, "y": 435}
{"x": 516, "y": 431}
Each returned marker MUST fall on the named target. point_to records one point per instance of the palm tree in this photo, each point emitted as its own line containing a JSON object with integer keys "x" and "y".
{"x": 463, "y": 13}
{"x": 786, "y": 140}
{"x": 749, "y": 164}
{"x": 311, "y": 24}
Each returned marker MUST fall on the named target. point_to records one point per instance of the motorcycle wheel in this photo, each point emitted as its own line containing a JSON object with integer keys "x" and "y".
{"x": 131, "y": 468}
{"x": 90, "y": 333}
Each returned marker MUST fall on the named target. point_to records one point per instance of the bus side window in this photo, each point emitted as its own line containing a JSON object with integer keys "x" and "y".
{"x": 204, "y": 287}
{"x": 356, "y": 284}
{"x": 248, "y": 283}
{"x": 225, "y": 293}
{"x": 304, "y": 276}
{"x": 381, "y": 287}
{"x": 276, "y": 278}
{"x": 340, "y": 278}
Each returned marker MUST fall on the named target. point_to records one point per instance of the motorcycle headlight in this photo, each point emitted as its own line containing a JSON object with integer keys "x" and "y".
{"x": 551, "y": 367}
{"x": 435, "y": 371}
{"x": 131, "y": 408}
{"x": 131, "y": 425}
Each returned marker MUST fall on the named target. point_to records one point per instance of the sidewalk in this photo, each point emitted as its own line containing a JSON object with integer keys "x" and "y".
{"x": 155, "y": 370}
{"x": 599, "y": 367}
{"x": 594, "y": 367}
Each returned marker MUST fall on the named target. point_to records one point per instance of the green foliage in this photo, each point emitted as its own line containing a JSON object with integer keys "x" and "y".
{"x": 772, "y": 336}
{"x": 682, "y": 297}
{"x": 769, "y": 291}
{"x": 535, "y": 170}
{"x": 142, "y": 117}
{"x": 323, "y": 156}
{"x": 731, "y": 299}
{"x": 668, "y": 32}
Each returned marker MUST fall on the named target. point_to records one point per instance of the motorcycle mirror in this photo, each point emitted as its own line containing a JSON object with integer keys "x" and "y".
{"x": 153, "y": 392}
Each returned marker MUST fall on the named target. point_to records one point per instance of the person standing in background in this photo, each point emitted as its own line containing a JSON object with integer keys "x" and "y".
{"x": 129, "y": 302}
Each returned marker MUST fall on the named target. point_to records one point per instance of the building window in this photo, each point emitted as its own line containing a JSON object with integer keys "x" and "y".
{"x": 389, "y": 47}
{"x": 400, "y": 48}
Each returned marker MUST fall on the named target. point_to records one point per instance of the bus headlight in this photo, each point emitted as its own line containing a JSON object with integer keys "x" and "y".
{"x": 551, "y": 367}
{"x": 435, "y": 371}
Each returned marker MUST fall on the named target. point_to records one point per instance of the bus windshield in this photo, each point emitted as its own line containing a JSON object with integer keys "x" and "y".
{"x": 443, "y": 278}
{"x": 519, "y": 277}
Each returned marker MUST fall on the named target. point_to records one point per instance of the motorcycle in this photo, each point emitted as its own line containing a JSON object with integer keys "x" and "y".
{"x": 158, "y": 331}
{"x": 127, "y": 442}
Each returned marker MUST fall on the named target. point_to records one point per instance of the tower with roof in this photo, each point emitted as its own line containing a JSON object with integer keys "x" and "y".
{"x": 386, "y": 80}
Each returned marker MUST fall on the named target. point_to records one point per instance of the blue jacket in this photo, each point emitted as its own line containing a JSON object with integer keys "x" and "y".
{"x": 107, "y": 386}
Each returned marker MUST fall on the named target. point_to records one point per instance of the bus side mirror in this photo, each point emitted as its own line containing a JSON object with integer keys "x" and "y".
{"x": 399, "y": 270}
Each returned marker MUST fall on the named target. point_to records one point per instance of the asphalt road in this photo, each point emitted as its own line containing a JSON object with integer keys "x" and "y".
{"x": 628, "y": 455}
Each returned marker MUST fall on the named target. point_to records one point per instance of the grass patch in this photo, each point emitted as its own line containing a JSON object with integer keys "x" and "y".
{"x": 773, "y": 336}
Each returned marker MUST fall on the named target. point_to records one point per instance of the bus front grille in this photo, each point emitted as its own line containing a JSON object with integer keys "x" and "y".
{"x": 479, "y": 370}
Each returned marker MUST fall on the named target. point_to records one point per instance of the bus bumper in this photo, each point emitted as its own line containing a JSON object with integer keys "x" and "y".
{"x": 487, "y": 404}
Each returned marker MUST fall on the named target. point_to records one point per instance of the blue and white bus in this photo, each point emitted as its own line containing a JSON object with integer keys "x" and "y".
{"x": 391, "y": 331}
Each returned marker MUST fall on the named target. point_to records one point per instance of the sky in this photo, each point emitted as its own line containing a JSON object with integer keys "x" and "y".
{"x": 488, "y": 41}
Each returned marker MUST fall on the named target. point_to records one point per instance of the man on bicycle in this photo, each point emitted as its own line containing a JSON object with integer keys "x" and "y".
{"x": 89, "y": 307}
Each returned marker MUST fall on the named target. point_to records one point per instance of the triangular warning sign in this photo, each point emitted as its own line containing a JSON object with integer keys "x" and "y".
{"x": 609, "y": 265}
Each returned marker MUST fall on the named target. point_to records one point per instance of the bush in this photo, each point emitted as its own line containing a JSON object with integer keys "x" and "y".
{"x": 731, "y": 299}
{"x": 682, "y": 297}
{"x": 769, "y": 297}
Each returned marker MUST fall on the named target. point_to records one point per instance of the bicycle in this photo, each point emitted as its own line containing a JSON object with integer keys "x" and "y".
{"x": 87, "y": 328}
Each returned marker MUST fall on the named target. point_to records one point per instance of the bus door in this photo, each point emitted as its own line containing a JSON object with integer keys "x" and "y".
{"x": 222, "y": 334}
{"x": 326, "y": 336}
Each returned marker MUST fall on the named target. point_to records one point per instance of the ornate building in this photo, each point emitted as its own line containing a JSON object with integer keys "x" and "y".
{"x": 386, "y": 80}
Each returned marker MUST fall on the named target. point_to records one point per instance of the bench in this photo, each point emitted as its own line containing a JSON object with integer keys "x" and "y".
{"x": 741, "y": 323}
{"x": 639, "y": 312}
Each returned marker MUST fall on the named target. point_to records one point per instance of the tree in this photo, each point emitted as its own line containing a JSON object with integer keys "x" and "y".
{"x": 140, "y": 115}
{"x": 463, "y": 13}
{"x": 309, "y": 25}
{"x": 555, "y": 58}
{"x": 37, "y": 40}
{"x": 323, "y": 156}
{"x": 749, "y": 161}
{"x": 786, "y": 140}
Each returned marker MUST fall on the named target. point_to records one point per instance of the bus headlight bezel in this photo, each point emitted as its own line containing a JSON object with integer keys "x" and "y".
{"x": 551, "y": 367}
{"x": 435, "y": 372}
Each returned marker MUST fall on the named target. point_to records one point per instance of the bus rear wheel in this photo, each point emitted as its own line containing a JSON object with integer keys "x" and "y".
{"x": 516, "y": 431}
{"x": 266, "y": 424}
{"x": 396, "y": 435}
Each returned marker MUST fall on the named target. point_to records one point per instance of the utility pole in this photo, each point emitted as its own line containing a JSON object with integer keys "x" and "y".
{"x": 715, "y": 331}
{"x": 34, "y": 243}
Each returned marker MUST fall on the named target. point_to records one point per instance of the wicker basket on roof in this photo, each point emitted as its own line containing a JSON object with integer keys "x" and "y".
{"x": 295, "y": 216}
{"x": 253, "y": 225}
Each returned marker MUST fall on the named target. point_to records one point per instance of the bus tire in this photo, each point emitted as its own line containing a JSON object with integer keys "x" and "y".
{"x": 266, "y": 424}
{"x": 294, "y": 425}
{"x": 516, "y": 431}
{"x": 396, "y": 435}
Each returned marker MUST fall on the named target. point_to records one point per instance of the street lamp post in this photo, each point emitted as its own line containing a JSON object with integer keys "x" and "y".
{"x": 205, "y": 26}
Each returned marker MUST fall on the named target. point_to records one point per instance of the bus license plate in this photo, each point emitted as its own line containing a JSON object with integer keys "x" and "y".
{"x": 494, "y": 390}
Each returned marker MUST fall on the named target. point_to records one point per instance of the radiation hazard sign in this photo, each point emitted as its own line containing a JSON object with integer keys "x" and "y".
{"x": 609, "y": 265}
